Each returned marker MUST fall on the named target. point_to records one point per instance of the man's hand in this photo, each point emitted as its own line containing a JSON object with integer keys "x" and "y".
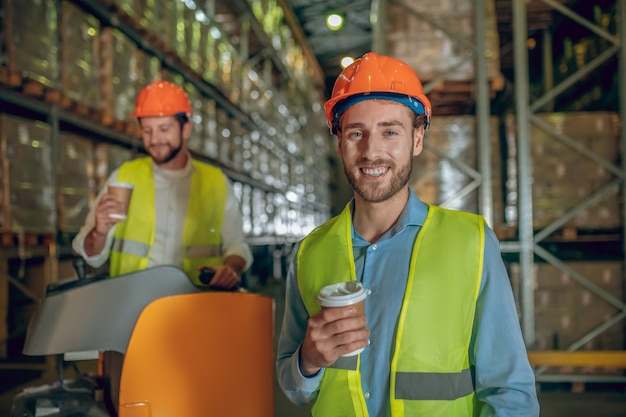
{"x": 96, "y": 238}
{"x": 108, "y": 204}
{"x": 225, "y": 278}
{"x": 330, "y": 333}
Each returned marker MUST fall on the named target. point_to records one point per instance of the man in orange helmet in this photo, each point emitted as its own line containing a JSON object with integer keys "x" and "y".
{"x": 441, "y": 335}
{"x": 182, "y": 212}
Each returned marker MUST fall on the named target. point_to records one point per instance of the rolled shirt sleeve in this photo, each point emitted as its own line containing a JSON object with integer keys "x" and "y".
{"x": 504, "y": 379}
{"x": 233, "y": 239}
{"x": 297, "y": 388}
{"x": 78, "y": 243}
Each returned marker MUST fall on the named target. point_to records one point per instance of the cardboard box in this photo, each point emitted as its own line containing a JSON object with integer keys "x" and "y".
{"x": 80, "y": 55}
{"x": 564, "y": 177}
{"x": 416, "y": 34}
{"x": 31, "y": 39}
{"x": 437, "y": 180}
{"x": 27, "y": 200}
{"x": 565, "y": 310}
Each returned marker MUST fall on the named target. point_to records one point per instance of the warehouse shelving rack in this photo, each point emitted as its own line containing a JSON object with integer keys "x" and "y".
{"x": 254, "y": 47}
{"x": 526, "y": 246}
{"x": 475, "y": 95}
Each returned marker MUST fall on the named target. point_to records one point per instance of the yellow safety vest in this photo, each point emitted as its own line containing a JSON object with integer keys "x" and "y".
{"x": 430, "y": 369}
{"x": 201, "y": 234}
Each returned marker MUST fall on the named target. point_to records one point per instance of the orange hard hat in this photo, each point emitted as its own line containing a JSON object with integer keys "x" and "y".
{"x": 376, "y": 76}
{"x": 162, "y": 98}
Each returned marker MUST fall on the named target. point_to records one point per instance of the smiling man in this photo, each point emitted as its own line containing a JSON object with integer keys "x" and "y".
{"x": 182, "y": 212}
{"x": 440, "y": 332}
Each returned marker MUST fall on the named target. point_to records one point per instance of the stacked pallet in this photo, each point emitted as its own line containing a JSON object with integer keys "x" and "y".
{"x": 440, "y": 173}
{"x": 436, "y": 38}
{"x": 574, "y": 303}
{"x": 44, "y": 192}
{"x": 27, "y": 202}
{"x": 564, "y": 176}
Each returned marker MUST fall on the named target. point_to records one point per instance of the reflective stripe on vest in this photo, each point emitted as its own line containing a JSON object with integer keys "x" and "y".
{"x": 422, "y": 385}
{"x": 131, "y": 247}
{"x": 201, "y": 240}
{"x": 142, "y": 249}
{"x": 430, "y": 372}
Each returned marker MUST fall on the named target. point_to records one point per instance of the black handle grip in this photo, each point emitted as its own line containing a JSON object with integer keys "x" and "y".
{"x": 80, "y": 266}
{"x": 206, "y": 275}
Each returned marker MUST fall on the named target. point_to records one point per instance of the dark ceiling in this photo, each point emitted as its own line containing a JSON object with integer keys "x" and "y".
{"x": 325, "y": 48}
{"x": 353, "y": 39}
{"x": 356, "y": 36}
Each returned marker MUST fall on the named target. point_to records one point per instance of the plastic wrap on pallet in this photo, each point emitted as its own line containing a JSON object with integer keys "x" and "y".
{"x": 563, "y": 177}
{"x": 237, "y": 149}
{"x": 209, "y": 66}
{"x": 196, "y": 140}
{"x": 120, "y": 73}
{"x": 149, "y": 68}
{"x": 107, "y": 158}
{"x": 224, "y": 136}
{"x": 193, "y": 37}
{"x": 173, "y": 25}
{"x": 80, "y": 57}
{"x": 31, "y": 204}
{"x": 437, "y": 180}
{"x": 566, "y": 311}
{"x": 209, "y": 119}
{"x": 76, "y": 181}
{"x": 127, "y": 6}
{"x": 151, "y": 12}
{"x": 32, "y": 46}
{"x": 225, "y": 56}
{"x": 435, "y": 37}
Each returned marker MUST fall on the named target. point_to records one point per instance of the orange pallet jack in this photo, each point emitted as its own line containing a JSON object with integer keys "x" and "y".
{"x": 186, "y": 350}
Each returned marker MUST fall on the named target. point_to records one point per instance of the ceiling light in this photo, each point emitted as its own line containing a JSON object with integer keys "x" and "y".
{"x": 346, "y": 60}
{"x": 334, "y": 21}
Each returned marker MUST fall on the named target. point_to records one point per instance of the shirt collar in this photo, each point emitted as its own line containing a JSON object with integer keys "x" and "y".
{"x": 173, "y": 174}
{"x": 413, "y": 214}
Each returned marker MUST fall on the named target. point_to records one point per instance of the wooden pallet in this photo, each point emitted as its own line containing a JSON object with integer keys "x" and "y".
{"x": 14, "y": 239}
{"x": 454, "y": 98}
{"x": 608, "y": 361}
{"x": 18, "y": 82}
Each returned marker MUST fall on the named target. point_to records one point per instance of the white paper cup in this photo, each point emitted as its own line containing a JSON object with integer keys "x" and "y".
{"x": 123, "y": 192}
{"x": 344, "y": 294}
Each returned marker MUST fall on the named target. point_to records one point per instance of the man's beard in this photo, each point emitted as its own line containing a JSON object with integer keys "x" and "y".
{"x": 377, "y": 193}
{"x": 171, "y": 155}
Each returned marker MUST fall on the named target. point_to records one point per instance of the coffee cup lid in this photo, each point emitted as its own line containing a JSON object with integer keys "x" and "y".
{"x": 342, "y": 294}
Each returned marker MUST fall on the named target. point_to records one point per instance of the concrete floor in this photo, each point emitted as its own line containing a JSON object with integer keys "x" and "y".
{"x": 554, "y": 401}
{"x": 585, "y": 404}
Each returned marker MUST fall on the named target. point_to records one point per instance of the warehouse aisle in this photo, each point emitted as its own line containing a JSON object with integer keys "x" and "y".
{"x": 554, "y": 403}
{"x": 584, "y": 404}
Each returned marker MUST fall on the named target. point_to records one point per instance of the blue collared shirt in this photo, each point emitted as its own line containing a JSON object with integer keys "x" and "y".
{"x": 503, "y": 378}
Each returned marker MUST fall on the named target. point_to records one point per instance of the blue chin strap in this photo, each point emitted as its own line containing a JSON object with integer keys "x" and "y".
{"x": 408, "y": 101}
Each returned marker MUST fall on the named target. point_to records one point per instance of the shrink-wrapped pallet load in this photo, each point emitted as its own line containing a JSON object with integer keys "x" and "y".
{"x": 28, "y": 202}
{"x": 437, "y": 177}
{"x": 76, "y": 181}
{"x": 436, "y": 37}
